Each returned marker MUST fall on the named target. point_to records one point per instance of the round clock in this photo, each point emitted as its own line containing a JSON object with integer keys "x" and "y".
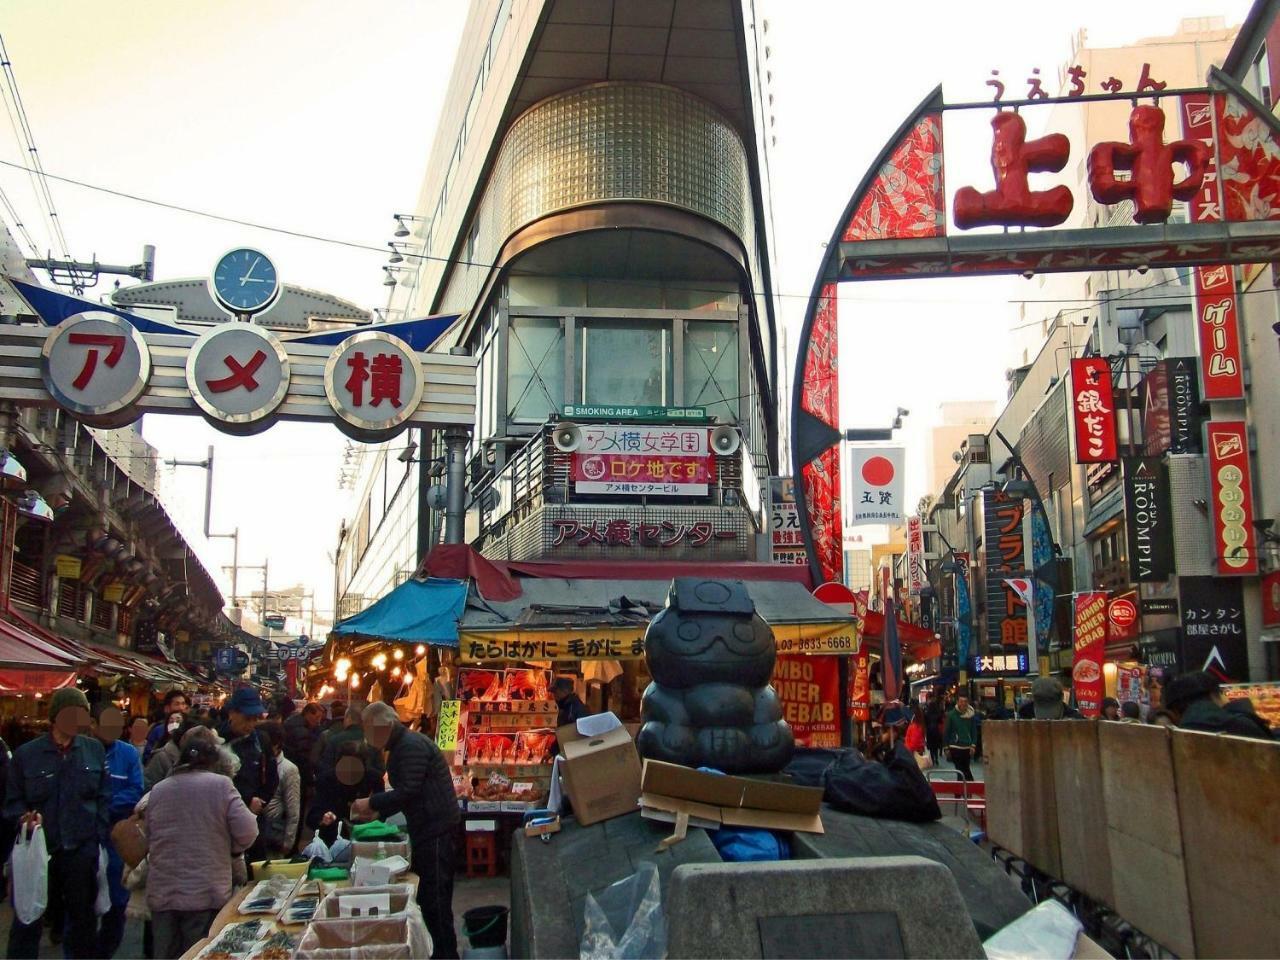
{"x": 245, "y": 281}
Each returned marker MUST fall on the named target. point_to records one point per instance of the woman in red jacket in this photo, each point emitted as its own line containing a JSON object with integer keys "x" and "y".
{"x": 915, "y": 737}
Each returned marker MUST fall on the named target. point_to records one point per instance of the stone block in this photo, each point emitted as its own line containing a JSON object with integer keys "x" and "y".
{"x": 848, "y": 907}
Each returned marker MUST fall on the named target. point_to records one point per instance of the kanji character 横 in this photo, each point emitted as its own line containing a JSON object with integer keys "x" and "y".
{"x": 1036, "y": 91}
{"x": 1112, "y": 85}
{"x": 564, "y": 529}
{"x": 1077, "y": 74}
{"x": 1146, "y": 83}
{"x": 700, "y": 533}
{"x": 618, "y": 533}
{"x": 1148, "y": 161}
{"x": 359, "y": 365}
{"x": 997, "y": 85}
{"x": 1013, "y": 202}
{"x": 240, "y": 376}
{"x": 115, "y": 350}
{"x": 384, "y": 379}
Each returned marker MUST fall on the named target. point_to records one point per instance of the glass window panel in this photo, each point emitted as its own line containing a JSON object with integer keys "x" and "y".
{"x": 625, "y": 362}
{"x": 535, "y": 364}
{"x": 711, "y": 367}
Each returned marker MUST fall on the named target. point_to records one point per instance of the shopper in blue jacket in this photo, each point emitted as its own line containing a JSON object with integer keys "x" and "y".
{"x": 124, "y": 767}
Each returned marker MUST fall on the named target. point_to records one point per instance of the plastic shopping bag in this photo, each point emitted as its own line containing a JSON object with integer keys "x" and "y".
{"x": 318, "y": 848}
{"x": 341, "y": 850}
{"x": 1048, "y": 932}
{"x": 29, "y": 868}
{"x": 625, "y": 921}
{"x": 103, "y": 903}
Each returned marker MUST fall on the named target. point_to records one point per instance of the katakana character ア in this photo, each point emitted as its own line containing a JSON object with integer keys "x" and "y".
{"x": 359, "y": 374}
{"x": 1077, "y": 74}
{"x": 700, "y": 533}
{"x": 384, "y": 380}
{"x": 618, "y": 533}
{"x": 115, "y": 350}
{"x": 1013, "y": 202}
{"x": 240, "y": 376}
{"x": 1149, "y": 162}
{"x": 1146, "y": 83}
{"x": 564, "y": 530}
{"x": 1112, "y": 85}
{"x": 1036, "y": 92}
{"x": 999, "y": 87}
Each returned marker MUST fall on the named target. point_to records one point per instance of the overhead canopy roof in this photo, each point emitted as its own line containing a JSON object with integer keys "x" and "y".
{"x": 417, "y": 611}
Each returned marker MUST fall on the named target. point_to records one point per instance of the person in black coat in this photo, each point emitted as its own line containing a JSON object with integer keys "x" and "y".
{"x": 421, "y": 789}
{"x": 571, "y": 709}
{"x": 1197, "y": 701}
{"x": 347, "y": 769}
{"x": 258, "y": 776}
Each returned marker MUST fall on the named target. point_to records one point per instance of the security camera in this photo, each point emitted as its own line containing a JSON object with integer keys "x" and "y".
{"x": 903, "y": 412}
{"x": 957, "y": 456}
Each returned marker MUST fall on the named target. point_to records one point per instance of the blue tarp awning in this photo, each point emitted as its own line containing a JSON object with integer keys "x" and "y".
{"x": 417, "y": 611}
{"x": 54, "y": 307}
{"x": 419, "y": 334}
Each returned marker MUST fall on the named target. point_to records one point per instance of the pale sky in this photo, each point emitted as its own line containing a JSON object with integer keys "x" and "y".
{"x": 317, "y": 116}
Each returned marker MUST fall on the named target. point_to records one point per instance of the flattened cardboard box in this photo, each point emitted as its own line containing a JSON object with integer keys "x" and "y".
{"x": 601, "y": 774}
{"x": 672, "y": 792}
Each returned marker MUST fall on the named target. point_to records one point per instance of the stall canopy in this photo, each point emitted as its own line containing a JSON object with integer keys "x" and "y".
{"x": 26, "y": 666}
{"x": 921, "y": 644}
{"x": 417, "y": 611}
{"x": 571, "y": 619}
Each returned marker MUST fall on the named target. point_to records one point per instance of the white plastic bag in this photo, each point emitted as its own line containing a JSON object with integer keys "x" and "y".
{"x": 1048, "y": 932}
{"x": 341, "y": 850}
{"x": 29, "y": 868}
{"x": 318, "y": 848}
{"x": 626, "y": 922}
{"x": 103, "y": 903}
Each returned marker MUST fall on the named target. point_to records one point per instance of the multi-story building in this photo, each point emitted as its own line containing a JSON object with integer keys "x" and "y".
{"x": 957, "y": 419}
{"x": 596, "y": 212}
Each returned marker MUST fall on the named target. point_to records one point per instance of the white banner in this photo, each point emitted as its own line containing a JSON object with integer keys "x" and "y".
{"x": 875, "y": 484}
{"x": 644, "y": 460}
{"x": 915, "y": 554}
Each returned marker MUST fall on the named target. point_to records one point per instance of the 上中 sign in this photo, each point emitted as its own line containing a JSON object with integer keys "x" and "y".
{"x": 1216, "y": 304}
{"x": 1004, "y": 664}
{"x": 447, "y": 725}
{"x": 1231, "y": 497}
{"x": 643, "y": 461}
{"x": 875, "y": 484}
{"x": 1094, "y": 410}
{"x": 238, "y": 375}
{"x": 1088, "y": 650}
{"x": 915, "y": 554}
{"x": 373, "y": 382}
{"x": 809, "y": 690}
{"x": 583, "y": 411}
{"x": 1213, "y": 633}
{"x": 95, "y": 365}
{"x": 1149, "y": 519}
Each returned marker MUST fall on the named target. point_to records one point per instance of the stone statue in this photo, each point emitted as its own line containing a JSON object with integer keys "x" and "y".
{"x": 710, "y": 703}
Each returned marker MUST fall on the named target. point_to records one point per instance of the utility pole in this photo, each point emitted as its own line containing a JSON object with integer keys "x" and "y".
{"x": 207, "y": 465}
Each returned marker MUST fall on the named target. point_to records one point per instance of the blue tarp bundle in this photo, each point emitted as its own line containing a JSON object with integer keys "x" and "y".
{"x": 417, "y": 611}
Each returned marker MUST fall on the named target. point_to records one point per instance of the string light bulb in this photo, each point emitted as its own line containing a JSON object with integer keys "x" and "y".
{"x": 399, "y": 654}
{"x": 420, "y": 649}
{"x": 395, "y": 671}
{"x": 355, "y": 680}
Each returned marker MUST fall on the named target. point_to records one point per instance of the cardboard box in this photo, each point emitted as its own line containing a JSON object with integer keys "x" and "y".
{"x": 686, "y": 797}
{"x": 347, "y": 902}
{"x": 600, "y": 773}
{"x": 536, "y": 829}
{"x": 388, "y": 938}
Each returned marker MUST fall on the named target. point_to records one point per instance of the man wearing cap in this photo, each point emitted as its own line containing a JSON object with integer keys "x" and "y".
{"x": 258, "y": 777}
{"x": 1196, "y": 699}
{"x": 571, "y": 709}
{"x": 60, "y": 781}
{"x": 1046, "y": 702}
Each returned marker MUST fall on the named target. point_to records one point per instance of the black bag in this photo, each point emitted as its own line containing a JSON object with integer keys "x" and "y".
{"x": 270, "y": 831}
{"x": 893, "y": 790}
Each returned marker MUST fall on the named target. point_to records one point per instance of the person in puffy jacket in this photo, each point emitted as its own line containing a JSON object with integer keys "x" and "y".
{"x": 1197, "y": 701}
{"x": 195, "y": 822}
{"x": 125, "y": 769}
{"x": 961, "y": 735}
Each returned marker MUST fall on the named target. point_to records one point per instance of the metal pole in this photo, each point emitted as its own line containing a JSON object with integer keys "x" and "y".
{"x": 235, "y": 566}
{"x": 455, "y": 495}
{"x": 208, "y": 490}
{"x": 424, "y": 487}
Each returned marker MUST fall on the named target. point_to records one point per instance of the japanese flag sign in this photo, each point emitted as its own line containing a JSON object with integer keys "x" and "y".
{"x": 875, "y": 485}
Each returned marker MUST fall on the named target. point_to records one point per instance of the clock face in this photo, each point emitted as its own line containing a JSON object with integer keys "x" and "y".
{"x": 245, "y": 281}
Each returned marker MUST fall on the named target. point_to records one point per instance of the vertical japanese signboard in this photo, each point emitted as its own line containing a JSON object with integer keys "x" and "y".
{"x": 915, "y": 554}
{"x": 1094, "y": 410}
{"x": 644, "y": 461}
{"x": 875, "y": 485}
{"x": 860, "y": 686}
{"x": 809, "y": 689}
{"x": 1216, "y": 305}
{"x": 1231, "y": 497}
{"x": 1005, "y": 555}
{"x": 1088, "y": 650}
{"x": 1271, "y": 599}
{"x": 1171, "y": 408}
{"x": 1149, "y": 519}
{"x": 1213, "y": 635}
{"x": 787, "y": 538}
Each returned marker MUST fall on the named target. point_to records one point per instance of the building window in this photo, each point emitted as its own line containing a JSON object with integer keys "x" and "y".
{"x": 535, "y": 381}
{"x": 711, "y": 367}
{"x": 1110, "y": 569}
{"x": 625, "y": 361}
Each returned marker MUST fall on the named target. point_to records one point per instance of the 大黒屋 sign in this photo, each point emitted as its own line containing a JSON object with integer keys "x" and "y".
{"x": 643, "y": 461}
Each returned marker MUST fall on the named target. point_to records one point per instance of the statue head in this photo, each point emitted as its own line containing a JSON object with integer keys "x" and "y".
{"x": 709, "y": 632}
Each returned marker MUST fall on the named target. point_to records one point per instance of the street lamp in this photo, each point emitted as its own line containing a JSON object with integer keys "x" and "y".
{"x": 234, "y": 536}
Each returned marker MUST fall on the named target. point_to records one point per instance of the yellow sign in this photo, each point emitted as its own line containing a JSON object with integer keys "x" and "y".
{"x": 833, "y": 637}
{"x": 67, "y": 567}
{"x": 113, "y": 592}
{"x": 447, "y": 727}
{"x": 601, "y": 643}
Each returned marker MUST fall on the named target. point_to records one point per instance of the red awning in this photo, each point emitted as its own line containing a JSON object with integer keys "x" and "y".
{"x": 919, "y": 642}
{"x": 20, "y": 651}
{"x": 500, "y": 579}
{"x": 34, "y": 681}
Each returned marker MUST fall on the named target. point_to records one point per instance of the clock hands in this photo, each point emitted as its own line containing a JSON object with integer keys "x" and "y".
{"x": 249, "y": 273}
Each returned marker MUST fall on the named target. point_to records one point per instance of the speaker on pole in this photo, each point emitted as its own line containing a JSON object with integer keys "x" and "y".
{"x": 725, "y": 440}
{"x": 567, "y": 436}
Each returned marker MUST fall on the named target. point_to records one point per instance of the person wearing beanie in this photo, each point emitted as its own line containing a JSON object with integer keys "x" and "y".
{"x": 1110, "y": 708}
{"x": 1196, "y": 700}
{"x": 60, "y": 782}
